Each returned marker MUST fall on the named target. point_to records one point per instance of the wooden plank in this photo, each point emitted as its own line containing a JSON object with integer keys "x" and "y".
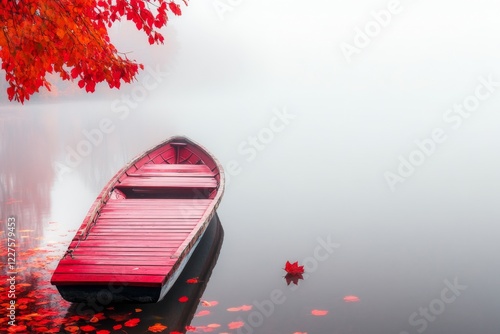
{"x": 152, "y": 209}
{"x": 120, "y": 258}
{"x": 152, "y": 221}
{"x": 172, "y": 170}
{"x": 136, "y": 228}
{"x": 127, "y": 243}
{"x": 110, "y": 262}
{"x": 140, "y": 237}
{"x": 95, "y": 251}
{"x": 126, "y": 250}
{"x": 162, "y": 200}
{"x": 118, "y": 232}
{"x": 132, "y": 231}
{"x": 168, "y": 182}
{"x": 114, "y": 270}
{"x": 151, "y": 214}
{"x": 123, "y": 204}
{"x": 102, "y": 279}
{"x": 181, "y": 168}
{"x": 169, "y": 174}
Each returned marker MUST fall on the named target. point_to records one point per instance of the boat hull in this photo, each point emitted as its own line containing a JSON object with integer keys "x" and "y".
{"x": 114, "y": 292}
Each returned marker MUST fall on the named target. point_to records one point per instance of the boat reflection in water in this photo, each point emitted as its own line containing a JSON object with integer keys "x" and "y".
{"x": 175, "y": 311}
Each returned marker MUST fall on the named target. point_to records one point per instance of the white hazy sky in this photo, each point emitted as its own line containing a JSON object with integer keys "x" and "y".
{"x": 229, "y": 67}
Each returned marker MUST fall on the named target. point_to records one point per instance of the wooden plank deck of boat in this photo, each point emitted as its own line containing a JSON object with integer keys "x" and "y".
{"x": 134, "y": 240}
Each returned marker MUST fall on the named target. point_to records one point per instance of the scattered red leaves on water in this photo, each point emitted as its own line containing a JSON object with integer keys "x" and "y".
{"x": 235, "y": 324}
{"x": 117, "y": 327}
{"x": 157, "y": 328}
{"x": 207, "y": 303}
{"x": 240, "y": 308}
{"x": 183, "y": 299}
{"x": 17, "y": 329}
{"x": 190, "y": 328}
{"x": 202, "y": 313}
{"x": 132, "y": 322}
{"x": 175, "y": 332}
{"x": 300, "y": 333}
{"x": 319, "y": 313}
{"x": 193, "y": 280}
{"x": 213, "y": 325}
{"x": 138, "y": 310}
{"x": 351, "y": 299}
{"x": 294, "y": 268}
{"x": 103, "y": 331}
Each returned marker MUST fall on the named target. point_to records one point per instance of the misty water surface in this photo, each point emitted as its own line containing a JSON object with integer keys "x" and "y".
{"x": 390, "y": 155}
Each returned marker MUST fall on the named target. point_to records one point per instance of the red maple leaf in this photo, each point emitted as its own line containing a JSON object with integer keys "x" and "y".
{"x": 132, "y": 322}
{"x": 294, "y": 268}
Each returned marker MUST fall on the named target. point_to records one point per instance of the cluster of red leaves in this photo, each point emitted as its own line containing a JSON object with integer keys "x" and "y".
{"x": 70, "y": 38}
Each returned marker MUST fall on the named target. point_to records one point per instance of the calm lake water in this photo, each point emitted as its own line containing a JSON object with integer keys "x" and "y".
{"x": 365, "y": 172}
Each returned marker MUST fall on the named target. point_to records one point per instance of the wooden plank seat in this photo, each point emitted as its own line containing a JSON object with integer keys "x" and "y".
{"x": 168, "y": 182}
{"x": 170, "y": 170}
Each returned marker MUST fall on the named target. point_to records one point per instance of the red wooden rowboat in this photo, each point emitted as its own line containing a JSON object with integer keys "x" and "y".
{"x": 143, "y": 227}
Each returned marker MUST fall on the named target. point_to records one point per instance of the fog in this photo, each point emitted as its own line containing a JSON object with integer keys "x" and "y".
{"x": 373, "y": 122}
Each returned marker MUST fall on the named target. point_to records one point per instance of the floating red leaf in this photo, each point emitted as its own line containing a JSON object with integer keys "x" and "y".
{"x": 240, "y": 308}
{"x": 319, "y": 313}
{"x": 202, "y": 313}
{"x": 157, "y": 328}
{"x": 235, "y": 324}
{"x": 183, "y": 299}
{"x": 294, "y": 268}
{"x": 87, "y": 328}
{"x": 132, "y": 322}
{"x": 351, "y": 299}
